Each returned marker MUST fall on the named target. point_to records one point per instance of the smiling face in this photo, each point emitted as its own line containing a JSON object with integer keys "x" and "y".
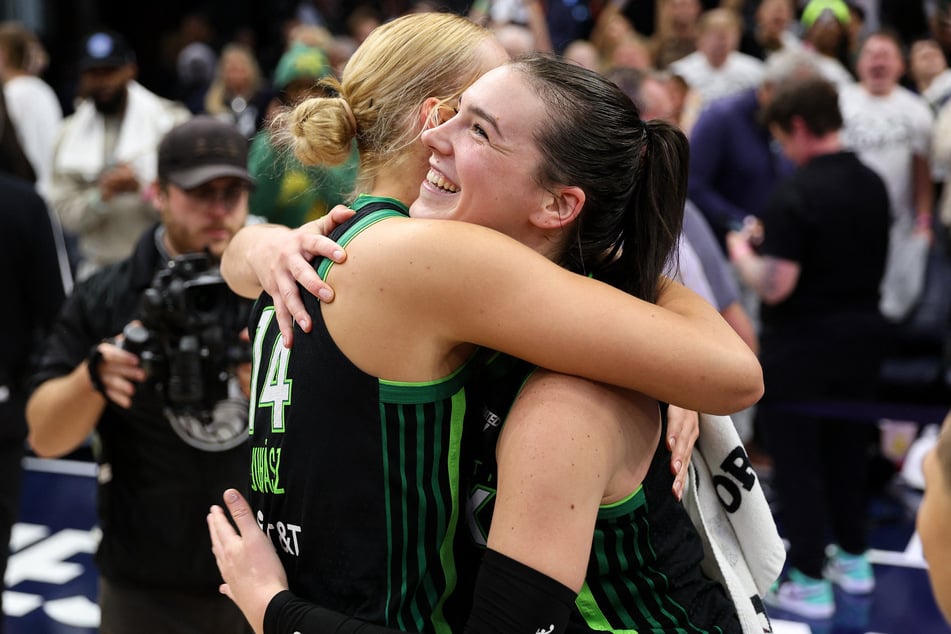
{"x": 485, "y": 159}
{"x": 880, "y": 65}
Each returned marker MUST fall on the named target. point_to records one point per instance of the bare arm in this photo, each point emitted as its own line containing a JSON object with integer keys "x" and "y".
{"x": 538, "y": 25}
{"x": 435, "y": 275}
{"x": 547, "y": 505}
{"x": 274, "y": 258}
{"x": 53, "y": 432}
{"x": 62, "y": 412}
{"x": 680, "y": 350}
{"x": 773, "y": 279}
{"x": 740, "y": 321}
{"x": 924, "y": 193}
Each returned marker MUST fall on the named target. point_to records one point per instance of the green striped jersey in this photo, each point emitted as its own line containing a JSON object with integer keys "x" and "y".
{"x": 355, "y": 479}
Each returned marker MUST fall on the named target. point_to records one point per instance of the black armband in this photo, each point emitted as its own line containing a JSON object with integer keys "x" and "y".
{"x": 511, "y": 598}
{"x": 288, "y": 614}
{"x": 92, "y": 366}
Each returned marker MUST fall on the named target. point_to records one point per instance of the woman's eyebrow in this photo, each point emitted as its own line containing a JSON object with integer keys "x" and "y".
{"x": 482, "y": 114}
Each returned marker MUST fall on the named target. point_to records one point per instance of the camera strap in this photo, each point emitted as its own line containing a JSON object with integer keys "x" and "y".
{"x": 92, "y": 366}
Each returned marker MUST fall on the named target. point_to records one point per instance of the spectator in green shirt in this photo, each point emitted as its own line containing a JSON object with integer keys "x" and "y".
{"x": 288, "y": 192}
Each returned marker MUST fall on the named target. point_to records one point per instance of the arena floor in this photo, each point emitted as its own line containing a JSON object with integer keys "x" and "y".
{"x": 52, "y": 581}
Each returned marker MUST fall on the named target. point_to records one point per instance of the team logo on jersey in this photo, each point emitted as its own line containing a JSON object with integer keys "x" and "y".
{"x": 491, "y": 418}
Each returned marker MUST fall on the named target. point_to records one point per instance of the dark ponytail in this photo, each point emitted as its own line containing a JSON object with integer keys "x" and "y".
{"x": 634, "y": 175}
{"x": 653, "y": 218}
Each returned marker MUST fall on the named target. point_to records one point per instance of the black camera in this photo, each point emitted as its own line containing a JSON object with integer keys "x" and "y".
{"x": 188, "y": 345}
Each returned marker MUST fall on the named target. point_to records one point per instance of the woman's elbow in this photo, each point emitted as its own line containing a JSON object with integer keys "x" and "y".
{"x": 744, "y": 387}
{"x": 751, "y": 386}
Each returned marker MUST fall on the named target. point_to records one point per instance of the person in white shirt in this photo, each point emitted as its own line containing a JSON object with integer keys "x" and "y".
{"x": 929, "y": 70}
{"x": 890, "y": 128}
{"x": 717, "y": 69}
{"x": 105, "y": 155}
{"x": 32, "y": 104}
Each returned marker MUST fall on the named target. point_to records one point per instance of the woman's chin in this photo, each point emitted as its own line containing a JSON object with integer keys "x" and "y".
{"x": 434, "y": 205}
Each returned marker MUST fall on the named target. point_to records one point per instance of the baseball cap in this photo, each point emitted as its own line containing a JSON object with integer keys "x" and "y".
{"x": 202, "y": 149}
{"x": 104, "y": 49}
{"x": 300, "y": 62}
{"x": 815, "y": 8}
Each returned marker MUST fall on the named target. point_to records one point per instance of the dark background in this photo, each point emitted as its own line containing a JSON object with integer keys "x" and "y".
{"x": 152, "y": 29}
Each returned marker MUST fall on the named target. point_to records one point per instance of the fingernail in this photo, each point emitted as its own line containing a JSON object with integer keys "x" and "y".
{"x": 338, "y": 254}
{"x": 677, "y": 465}
{"x": 231, "y": 495}
{"x": 671, "y": 441}
{"x": 325, "y": 294}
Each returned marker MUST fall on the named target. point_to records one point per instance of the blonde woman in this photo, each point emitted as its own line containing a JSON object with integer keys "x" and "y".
{"x": 356, "y": 427}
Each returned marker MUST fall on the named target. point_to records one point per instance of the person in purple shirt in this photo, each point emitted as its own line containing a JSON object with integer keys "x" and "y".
{"x": 734, "y": 163}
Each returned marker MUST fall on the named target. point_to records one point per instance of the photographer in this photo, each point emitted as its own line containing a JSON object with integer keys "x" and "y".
{"x": 163, "y": 400}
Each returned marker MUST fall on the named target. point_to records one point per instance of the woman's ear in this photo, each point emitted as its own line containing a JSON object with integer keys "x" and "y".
{"x": 435, "y": 112}
{"x": 429, "y": 113}
{"x": 560, "y": 207}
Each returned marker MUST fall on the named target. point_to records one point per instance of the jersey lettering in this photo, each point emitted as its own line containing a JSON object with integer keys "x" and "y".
{"x": 276, "y": 390}
{"x": 266, "y": 470}
{"x": 266, "y": 315}
{"x": 288, "y": 535}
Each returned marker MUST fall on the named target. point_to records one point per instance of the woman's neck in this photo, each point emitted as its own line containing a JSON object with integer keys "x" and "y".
{"x": 401, "y": 181}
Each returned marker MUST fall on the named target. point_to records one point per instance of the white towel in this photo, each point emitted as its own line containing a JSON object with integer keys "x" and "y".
{"x": 742, "y": 548}
{"x": 146, "y": 120}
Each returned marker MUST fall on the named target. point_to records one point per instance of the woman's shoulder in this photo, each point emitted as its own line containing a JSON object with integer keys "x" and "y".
{"x": 449, "y": 243}
{"x": 590, "y": 404}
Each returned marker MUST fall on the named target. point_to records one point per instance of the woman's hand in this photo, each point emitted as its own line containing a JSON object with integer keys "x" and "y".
{"x": 683, "y": 428}
{"x": 250, "y": 568}
{"x": 274, "y": 259}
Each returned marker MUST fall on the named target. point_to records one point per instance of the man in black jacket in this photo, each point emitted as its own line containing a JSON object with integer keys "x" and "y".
{"x": 169, "y": 436}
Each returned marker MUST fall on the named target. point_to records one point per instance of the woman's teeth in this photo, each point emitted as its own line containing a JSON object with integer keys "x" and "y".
{"x": 436, "y": 179}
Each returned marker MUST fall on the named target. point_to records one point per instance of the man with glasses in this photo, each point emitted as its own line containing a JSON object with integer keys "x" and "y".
{"x": 159, "y": 462}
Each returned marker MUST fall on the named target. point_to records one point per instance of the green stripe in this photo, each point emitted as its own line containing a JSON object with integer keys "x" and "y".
{"x": 426, "y": 559}
{"x": 398, "y": 210}
{"x": 446, "y": 558}
{"x": 639, "y": 547}
{"x": 627, "y": 583}
{"x": 593, "y": 616}
{"x": 388, "y": 506}
{"x": 621, "y": 581}
{"x": 409, "y": 392}
{"x": 404, "y": 554}
{"x": 623, "y": 507}
{"x": 325, "y": 264}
